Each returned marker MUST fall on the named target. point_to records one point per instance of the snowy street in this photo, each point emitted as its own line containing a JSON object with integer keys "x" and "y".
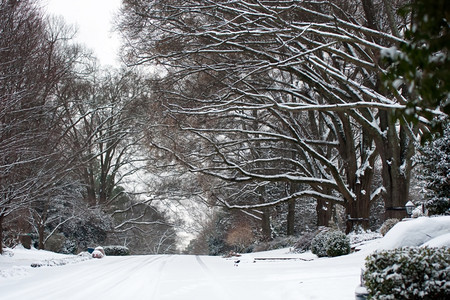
{"x": 271, "y": 275}
{"x": 190, "y": 277}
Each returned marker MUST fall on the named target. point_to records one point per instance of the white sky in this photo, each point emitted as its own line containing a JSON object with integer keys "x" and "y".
{"x": 93, "y": 18}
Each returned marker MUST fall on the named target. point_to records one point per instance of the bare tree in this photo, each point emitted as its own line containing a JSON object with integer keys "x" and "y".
{"x": 33, "y": 61}
{"x": 282, "y": 65}
{"x": 103, "y": 130}
{"x": 142, "y": 227}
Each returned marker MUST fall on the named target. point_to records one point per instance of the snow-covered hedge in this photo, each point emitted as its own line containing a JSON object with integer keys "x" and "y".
{"x": 408, "y": 273}
{"x": 330, "y": 243}
{"x": 387, "y": 225}
{"x": 116, "y": 250}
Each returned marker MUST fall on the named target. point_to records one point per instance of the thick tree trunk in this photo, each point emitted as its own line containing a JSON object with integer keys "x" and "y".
{"x": 1, "y": 233}
{"x": 395, "y": 147}
{"x": 396, "y": 151}
{"x": 41, "y": 229}
{"x": 359, "y": 165}
{"x": 358, "y": 210}
{"x": 397, "y": 192}
{"x": 265, "y": 223}
{"x": 324, "y": 210}
{"x": 358, "y": 213}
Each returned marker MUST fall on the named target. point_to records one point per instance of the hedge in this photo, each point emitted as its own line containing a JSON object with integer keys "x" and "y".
{"x": 408, "y": 273}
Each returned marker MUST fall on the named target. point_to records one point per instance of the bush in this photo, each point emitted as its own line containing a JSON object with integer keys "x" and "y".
{"x": 217, "y": 246}
{"x": 277, "y": 243}
{"x": 55, "y": 242}
{"x": 240, "y": 238}
{"x": 387, "y": 225}
{"x": 319, "y": 244}
{"x": 330, "y": 243}
{"x": 116, "y": 250}
{"x": 304, "y": 243}
{"x": 337, "y": 244}
{"x": 408, "y": 273}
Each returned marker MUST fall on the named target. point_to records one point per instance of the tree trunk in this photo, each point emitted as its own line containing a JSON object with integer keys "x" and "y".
{"x": 324, "y": 210}
{"x": 291, "y": 210}
{"x": 41, "y": 228}
{"x": 358, "y": 210}
{"x": 265, "y": 223}
{"x": 1, "y": 233}
{"x": 396, "y": 151}
{"x": 358, "y": 213}
{"x": 265, "y": 218}
{"x": 90, "y": 186}
{"x": 397, "y": 193}
{"x": 291, "y": 218}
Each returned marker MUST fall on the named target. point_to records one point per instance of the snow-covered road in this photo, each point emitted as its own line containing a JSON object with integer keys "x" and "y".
{"x": 189, "y": 277}
{"x": 273, "y": 275}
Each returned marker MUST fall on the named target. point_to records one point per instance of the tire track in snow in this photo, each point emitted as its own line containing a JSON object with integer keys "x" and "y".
{"x": 108, "y": 277}
{"x": 136, "y": 267}
{"x": 157, "y": 280}
{"x": 105, "y": 276}
{"x": 140, "y": 281}
{"x": 212, "y": 278}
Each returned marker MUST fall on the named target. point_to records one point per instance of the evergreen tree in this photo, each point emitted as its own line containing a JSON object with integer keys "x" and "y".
{"x": 422, "y": 63}
{"x": 435, "y": 160}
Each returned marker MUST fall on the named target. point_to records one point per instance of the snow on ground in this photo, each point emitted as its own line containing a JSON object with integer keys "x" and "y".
{"x": 20, "y": 261}
{"x": 270, "y": 275}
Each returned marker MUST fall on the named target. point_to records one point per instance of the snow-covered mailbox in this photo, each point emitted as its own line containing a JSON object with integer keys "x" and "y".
{"x": 98, "y": 252}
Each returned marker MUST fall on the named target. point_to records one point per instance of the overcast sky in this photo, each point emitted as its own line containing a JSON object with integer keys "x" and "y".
{"x": 93, "y": 19}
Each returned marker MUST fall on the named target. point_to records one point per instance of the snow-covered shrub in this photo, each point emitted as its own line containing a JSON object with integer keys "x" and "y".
{"x": 116, "y": 250}
{"x": 331, "y": 243}
{"x": 387, "y": 225}
{"x": 69, "y": 247}
{"x": 91, "y": 228}
{"x": 408, "y": 273}
{"x": 363, "y": 237}
{"x": 304, "y": 243}
{"x": 277, "y": 243}
{"x": 319, "y": 244}
{"x": 282, "y": 242}
{"x": 217, "y": 246}
{"x": 337, "y": 244}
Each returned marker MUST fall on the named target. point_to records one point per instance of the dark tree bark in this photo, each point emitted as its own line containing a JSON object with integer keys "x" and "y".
{"x": 1, "y": 233}
{"x": 291, "y": 217}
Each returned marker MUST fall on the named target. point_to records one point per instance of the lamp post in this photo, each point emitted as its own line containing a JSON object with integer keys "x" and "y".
{"x": 409, "y": 208}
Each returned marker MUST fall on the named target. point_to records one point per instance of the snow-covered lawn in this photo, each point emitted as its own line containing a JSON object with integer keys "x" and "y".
{"x": 266, "y": 275}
